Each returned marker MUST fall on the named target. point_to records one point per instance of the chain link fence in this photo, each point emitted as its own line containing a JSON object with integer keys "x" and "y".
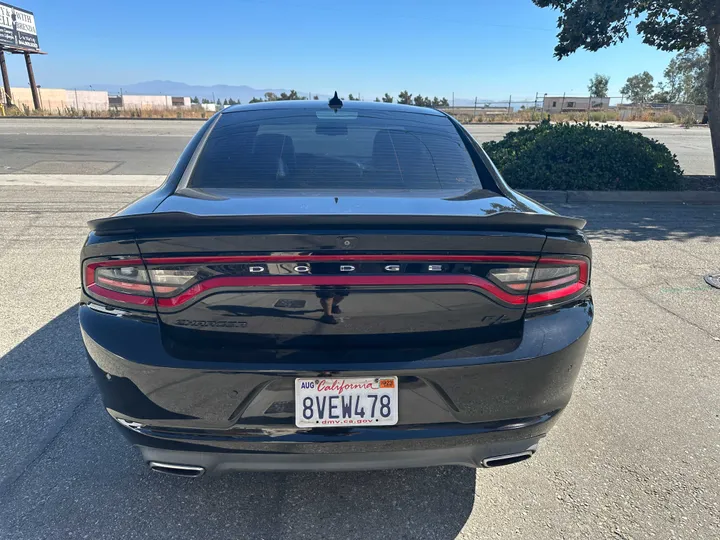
{"x": 575, "y": 108}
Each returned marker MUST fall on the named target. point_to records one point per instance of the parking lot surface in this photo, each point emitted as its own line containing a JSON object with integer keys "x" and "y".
{"x": 635, "y": 455}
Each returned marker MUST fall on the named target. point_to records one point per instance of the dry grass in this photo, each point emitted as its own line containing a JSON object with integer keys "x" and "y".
{"x": 522, "y": 117}
{"x": 71, "y": 112}
{"x": 663, "y": 117}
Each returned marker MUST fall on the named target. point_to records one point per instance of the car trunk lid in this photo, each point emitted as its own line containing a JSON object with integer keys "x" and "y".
{"x": 319, "y": 273}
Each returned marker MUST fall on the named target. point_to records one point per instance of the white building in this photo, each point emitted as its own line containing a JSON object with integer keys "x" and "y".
{"x": 128, "y": 101}
{"x": 88, "y": 100}
{"x": 556, "y": 104}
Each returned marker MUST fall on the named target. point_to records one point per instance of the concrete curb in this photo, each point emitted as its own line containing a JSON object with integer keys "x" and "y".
{"x": 686, "y": 197}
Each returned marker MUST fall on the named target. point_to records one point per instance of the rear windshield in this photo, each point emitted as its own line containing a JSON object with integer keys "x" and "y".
{"x": 320, "y": 149}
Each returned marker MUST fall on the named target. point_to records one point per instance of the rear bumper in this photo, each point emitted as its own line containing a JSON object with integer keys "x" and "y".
{"x": 473, "y": 456}
{"x": 455, "y": 409}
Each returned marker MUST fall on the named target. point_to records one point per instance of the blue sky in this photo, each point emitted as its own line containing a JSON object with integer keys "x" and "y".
{"x": 484, "y": 48}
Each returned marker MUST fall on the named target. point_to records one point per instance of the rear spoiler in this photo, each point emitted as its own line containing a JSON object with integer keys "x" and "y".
{"x": 182, "y": 221}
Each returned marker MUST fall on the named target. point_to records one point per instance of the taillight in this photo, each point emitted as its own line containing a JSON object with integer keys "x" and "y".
{"x": 171, "y": 281}
{"x": 167, "y": 282}
{"x": 550, "y": 280}
{"x": 126, "y": 281}
{"x": 118, "y": 281}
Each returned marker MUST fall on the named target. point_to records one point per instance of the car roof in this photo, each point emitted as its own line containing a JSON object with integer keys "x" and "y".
{"x": 348, "y": 105}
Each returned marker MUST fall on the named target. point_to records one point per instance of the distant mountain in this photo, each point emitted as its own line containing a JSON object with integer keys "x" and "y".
{"x": 171, "y": 88}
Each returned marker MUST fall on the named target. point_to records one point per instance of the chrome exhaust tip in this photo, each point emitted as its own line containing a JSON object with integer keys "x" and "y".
{"x": 506, "y": 459}
{"x": 188, "y": 471}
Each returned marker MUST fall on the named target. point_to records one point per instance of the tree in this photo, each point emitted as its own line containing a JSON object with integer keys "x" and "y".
{"x": 669, "y": 25}
{"x": 387, "y": 98}
{"x": 686, "y": 77}
{"x": 598, "y": 86}
{"x": 256, "y": 100}
{"x": 270, "y": 96}
{"x": 206, "y": 101}
{"x": 435, "y": 102}
{"x": 291, "y": 96}
{"x": 353, "y": 98}
{"x": 405, "y": 98}
{"x": 377, "y": 100}
{"x": 225, "y": 102}
{"x": 195, "y": 100}
{"x": 662, "y": 95}
{"x": 316, "y": 97}
{"x": 444, "y": 102}
{"x": 421, "y": 101}
{"x": 638, "y": 88}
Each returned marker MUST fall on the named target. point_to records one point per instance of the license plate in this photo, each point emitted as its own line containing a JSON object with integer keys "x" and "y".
{"x": 328, "y": 402}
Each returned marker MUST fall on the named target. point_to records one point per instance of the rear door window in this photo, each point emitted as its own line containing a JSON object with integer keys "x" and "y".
{"x": 315, "y": 149}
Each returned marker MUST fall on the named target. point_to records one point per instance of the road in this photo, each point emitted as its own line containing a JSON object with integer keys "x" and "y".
{"x": 46, "y": 146}
{"x": 635, "y": 455}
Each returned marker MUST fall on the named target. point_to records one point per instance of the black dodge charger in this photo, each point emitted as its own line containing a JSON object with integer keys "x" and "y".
{"x": 334, "y": 286}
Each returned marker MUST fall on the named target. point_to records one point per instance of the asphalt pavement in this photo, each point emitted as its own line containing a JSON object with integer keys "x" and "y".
{"x": 635, "y": 455}
{"x": 53, "y": 146}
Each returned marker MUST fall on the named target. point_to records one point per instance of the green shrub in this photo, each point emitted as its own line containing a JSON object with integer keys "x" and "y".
{"x": 666, "y": 118}
{"x": 584, "y": 157}
{"x": 603, "y": 116}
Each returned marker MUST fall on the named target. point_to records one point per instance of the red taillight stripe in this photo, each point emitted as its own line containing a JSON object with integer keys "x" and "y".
{"x": 537, "y": 298}
{"x": 329, "y": 280}
{"x": 138, "y": 287}
{"x": 553, "y": 282}
{"x": 429, "y": 258}
{"x": 121, "y": 297}
{"x": 340, "y": 281}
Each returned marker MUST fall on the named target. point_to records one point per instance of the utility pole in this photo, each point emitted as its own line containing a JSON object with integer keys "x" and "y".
{"x": 33, "y": 85}
{"x": 6, "y": 80}
{"x": 475, "y": 109}
{"x": 562, "y": 105}
{"x": 453, "y": 100}
{"x": 510, "y": 104}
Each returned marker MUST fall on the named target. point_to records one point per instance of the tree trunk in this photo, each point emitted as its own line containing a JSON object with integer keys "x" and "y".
{"x": 713, "y": 89}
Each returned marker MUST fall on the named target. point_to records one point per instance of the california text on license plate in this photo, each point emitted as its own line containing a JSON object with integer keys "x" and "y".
{"x": 326, "y": 402}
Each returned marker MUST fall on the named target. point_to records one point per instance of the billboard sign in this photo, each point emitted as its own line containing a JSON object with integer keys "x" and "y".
{"x": 17, "y": 29}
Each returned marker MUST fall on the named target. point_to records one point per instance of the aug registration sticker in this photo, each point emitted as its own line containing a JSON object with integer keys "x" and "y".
{"x": 328, "y": 402}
